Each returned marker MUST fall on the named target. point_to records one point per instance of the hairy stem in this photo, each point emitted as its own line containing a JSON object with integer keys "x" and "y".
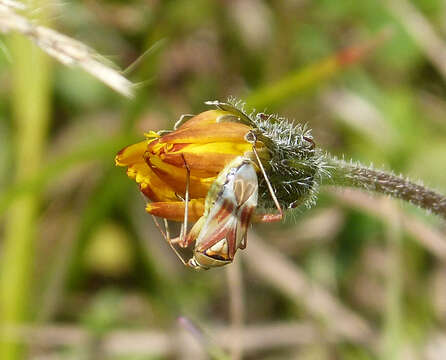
{"x": 355, "y": 175}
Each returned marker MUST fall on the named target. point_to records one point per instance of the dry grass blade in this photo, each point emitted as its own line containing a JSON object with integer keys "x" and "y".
{"x": 236, "y": 307}
{"x": 435, "y": 348}
{"x": 284, "y": 275}
{"x": 64, "y": 49}
{"x": 422, "y": 32}
{"x": 156, "y": 342}
{"x": 359, "y": 114}
{"x": 430, "y": 238}
{"x": 13, "y": 4}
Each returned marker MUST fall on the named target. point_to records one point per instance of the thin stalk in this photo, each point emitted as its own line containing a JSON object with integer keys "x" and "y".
{"x": 30, "y": 110}
{"x": 355, "y": 175}
{"x": 392, "y": 330}
{"x": 236, "y": 308}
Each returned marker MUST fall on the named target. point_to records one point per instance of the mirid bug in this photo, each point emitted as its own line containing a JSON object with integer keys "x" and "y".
{"x": 229, "y": 208}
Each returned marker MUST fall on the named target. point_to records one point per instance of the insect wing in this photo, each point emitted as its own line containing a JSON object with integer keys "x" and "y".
{"x": 246, "y": 194}
{"x": 226, "y": 225}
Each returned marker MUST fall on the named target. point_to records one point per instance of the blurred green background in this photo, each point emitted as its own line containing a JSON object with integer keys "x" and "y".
{"x": 86, "y": 275}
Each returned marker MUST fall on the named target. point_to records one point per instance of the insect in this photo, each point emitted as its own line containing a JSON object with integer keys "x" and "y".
{"x": 229, "y": 209}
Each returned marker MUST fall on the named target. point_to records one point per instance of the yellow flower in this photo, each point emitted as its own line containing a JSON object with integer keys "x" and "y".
{"x": 206, "y": 144}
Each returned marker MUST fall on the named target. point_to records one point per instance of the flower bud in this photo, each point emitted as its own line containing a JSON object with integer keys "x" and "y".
{"x": 205, "y": 144}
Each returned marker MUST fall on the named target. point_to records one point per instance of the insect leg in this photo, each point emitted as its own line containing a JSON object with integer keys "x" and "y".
{"x": 166, "y": 236}
{"x": 183, "y": 233}
{"x": 268, "y": 217}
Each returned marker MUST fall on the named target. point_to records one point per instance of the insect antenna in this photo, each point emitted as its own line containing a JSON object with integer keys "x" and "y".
{"x": 183, "y": 118}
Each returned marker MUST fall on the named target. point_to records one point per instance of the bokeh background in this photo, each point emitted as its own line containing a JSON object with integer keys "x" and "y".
{"x": 86, "y": 275}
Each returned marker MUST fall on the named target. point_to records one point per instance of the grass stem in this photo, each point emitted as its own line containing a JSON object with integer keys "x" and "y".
{"x": 30, "y": 104}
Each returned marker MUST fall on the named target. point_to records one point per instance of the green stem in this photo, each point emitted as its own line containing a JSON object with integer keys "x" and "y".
{"x": 30, "y": 109}
{"x": 355, "y": 175}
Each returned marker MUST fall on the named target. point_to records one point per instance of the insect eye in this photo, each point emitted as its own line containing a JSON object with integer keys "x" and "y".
{"x": 310, "y": 140}
{"x": 251, "y": 137}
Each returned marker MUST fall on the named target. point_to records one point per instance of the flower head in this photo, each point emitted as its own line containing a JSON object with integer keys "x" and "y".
{"x": 210, "y": 162}
{"x": 205, "y": 144}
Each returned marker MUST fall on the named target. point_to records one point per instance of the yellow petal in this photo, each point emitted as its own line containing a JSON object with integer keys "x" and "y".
{"x": 204, "y": 118}
{"x": 150, "y": 184}
{"x": 175, "y": 210}
{"x": 132, "y": 154}
{"x": 205, "y": 160}
{"x": 175, "y": 177}
{"x": 208, "y": 133}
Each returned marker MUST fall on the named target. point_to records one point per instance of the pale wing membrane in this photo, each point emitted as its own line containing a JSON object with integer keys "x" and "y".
{"x": 246, "y": 193}
{"x": 219, "y": 225}
{"x": 226, "y": 225}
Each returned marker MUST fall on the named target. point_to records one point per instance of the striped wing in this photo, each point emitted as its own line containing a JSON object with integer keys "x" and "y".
{"x": 225, "y": 227}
